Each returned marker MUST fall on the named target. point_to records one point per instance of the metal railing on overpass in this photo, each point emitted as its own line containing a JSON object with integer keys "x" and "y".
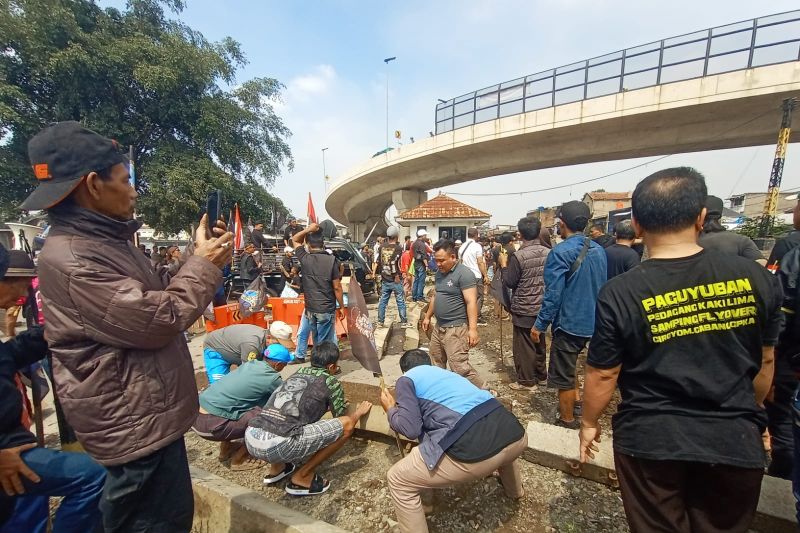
{"x": 753, "y": 43}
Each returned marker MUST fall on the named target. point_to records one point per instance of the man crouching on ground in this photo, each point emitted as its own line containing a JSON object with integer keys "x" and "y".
{"x": 464, "y": 433}
{"x": 290, "y": 428}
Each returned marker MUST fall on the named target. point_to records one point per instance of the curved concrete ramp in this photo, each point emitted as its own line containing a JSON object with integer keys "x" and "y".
{"x": 731, "y": 110}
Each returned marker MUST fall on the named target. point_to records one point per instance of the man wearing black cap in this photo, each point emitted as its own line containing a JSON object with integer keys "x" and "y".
{"x": 121, "y": 366}
{"x": 715, "y": 237}
{"x": 25, "y": 469}
{"x": 573, "y": 274}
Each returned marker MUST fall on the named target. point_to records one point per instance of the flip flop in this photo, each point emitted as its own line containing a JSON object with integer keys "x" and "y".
{"x": 318, "y": 486}
{"x": 288, "y": 470}
{"x": 518, "y": 387}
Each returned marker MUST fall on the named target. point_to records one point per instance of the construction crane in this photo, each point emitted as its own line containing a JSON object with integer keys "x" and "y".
{"x": 771, "y": 202}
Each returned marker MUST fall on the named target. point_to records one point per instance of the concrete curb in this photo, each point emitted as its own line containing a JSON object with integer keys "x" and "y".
{"x": 222, "y": 506}
{"x": 557, "y": 447}
{"x": 382, "y": 337}
{"x": 411, "y": 340}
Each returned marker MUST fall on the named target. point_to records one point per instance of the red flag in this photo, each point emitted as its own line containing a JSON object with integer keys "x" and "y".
{"x": 238, "y": 235}
{"x": 311, "y": 214}
{"x": 360, "y": 330}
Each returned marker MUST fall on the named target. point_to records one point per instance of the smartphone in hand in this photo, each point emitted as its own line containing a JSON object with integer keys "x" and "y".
{"x": 213, "y": 209}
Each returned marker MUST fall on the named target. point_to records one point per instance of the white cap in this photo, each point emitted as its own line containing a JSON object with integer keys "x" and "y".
{"x": 280, "y": 330}
{"x": 792, "y": 197}
{"x": 421, "y": 233}
{"x": 458, "y": 241}
{"x": 392, "y": 231}
{"x": 288, "y": 249}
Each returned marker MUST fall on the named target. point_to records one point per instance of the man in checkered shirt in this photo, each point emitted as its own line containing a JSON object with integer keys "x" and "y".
{"x": 290, "y": 429}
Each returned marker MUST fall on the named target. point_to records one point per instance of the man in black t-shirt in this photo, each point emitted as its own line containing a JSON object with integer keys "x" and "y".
{"x": 420, "y": 249}
{"x": 689, "y": 336}
{"x": 599, "y": 235}
{"x": 291, "y": 230}
{"x": 621, "y": 257}
{"x": 388, "y": 264}
{"x": 322, "y": 284}
{"x": 257, "y": 236}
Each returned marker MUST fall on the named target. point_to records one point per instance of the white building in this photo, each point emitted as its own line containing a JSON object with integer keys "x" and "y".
{"x": 442, "y": 217}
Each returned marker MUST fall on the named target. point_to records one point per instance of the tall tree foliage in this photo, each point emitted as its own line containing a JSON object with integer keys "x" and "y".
{"x": 148, "y": 81}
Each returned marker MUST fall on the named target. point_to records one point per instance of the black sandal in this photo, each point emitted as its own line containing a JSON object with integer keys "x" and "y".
{"x": 318, "y": 486}
{"x": 288, "y": 469}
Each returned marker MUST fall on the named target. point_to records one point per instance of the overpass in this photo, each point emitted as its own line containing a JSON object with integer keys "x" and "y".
{"x": 718, "y": 88}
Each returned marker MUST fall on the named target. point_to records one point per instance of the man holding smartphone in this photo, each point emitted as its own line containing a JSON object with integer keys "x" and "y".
{"x": 121, "y": 366}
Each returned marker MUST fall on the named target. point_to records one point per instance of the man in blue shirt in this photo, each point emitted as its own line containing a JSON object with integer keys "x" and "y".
{"x": 464, "y": 432}
{"x": 573, "y": 274}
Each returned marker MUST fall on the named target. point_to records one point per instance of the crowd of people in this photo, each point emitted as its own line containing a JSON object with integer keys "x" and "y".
{"x": 694, "y": 328}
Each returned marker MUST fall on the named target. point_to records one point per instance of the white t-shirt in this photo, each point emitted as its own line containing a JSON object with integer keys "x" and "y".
{"x": 469, "y": 253}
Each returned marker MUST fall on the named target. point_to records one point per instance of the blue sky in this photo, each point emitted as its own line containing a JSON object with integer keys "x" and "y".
{"x": 330, "y": 57}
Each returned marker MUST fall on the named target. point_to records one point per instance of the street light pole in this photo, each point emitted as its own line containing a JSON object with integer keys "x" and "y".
{"x": 324, "y": 172}
{"x": 387, "y": 60}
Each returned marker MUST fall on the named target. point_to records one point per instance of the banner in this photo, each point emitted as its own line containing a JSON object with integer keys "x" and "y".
{"x": 311, "y": 214}
{"x": 360, "y": 330}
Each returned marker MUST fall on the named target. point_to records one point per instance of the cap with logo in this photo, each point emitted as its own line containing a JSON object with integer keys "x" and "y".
{"x": 61, "y": 154}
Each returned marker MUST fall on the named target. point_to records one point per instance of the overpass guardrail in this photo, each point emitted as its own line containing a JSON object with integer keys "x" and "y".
{"x": 752, "y": 43}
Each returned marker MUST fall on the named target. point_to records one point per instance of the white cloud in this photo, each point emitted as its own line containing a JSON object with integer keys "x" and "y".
{"x": 313, "y": 84}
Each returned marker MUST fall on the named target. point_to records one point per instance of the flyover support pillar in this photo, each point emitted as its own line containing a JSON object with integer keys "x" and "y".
{"x": 405, "y": 199}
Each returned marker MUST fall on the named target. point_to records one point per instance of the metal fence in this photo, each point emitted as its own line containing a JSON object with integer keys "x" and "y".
{"x": 742, "y": 45}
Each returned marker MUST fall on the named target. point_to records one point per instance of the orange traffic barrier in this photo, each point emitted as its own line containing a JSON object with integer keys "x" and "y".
{"x": 289, "y": 310}
{"x": 226, "y": 315}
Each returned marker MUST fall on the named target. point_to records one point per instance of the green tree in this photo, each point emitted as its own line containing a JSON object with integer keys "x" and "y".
{"x": 147, "y": 81}
{"x": 752, "y": 226}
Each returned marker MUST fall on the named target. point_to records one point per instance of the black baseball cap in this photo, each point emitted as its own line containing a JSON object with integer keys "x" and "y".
{"x": 714, "y": 205}
{"x": 575, "y": 215}
{"x": 61, "y": 154}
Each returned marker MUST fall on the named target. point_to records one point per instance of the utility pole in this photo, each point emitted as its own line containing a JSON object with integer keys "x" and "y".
{"x": 324, "y": 172}
{"x": 771, "y": 202}
{"x": 387, "y": 61}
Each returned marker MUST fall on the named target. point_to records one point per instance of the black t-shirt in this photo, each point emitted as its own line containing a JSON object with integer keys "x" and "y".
{"x": 389, "y": 261}
{"x": 620, "y": 258}
{"x": 319, "y": 270}
{"x": 782, "y": 246}
{"x": 689, "y": 334}
{"x": 290, "y": 232}
{"x": 605, "y": 240}
{"x": 286, "y": 263}
{"x": 487, "y": 437}
{"x": 420, "y": 251}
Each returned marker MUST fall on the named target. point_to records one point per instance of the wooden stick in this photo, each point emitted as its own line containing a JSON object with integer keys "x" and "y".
{"x": 396, "y": 436}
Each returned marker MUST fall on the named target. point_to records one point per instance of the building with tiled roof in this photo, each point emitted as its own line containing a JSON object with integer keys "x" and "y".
{"x": 442, "y": 217}
{"x": 602, "y": 203}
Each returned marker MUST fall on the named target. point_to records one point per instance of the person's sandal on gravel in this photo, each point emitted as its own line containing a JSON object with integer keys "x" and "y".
{"x": 519, "y": 387}
{"x": 288, "y": 470}
{"x": 574, "y": 424}
{"x": 318, "y": 486}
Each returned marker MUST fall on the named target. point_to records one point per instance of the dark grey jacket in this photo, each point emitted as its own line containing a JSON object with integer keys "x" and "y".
{"x": 121, "y": 365}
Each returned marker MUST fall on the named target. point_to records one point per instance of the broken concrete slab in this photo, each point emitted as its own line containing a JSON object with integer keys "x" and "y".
{"x": 557, "y": 447}
{"x": 382, "y": 337}
{"x": 222, "y": 506}
{"x": 411, "y": 340}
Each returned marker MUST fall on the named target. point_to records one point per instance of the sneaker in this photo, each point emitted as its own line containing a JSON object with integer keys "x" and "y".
{"x": 297, "y": 360}
{"x": 405, "y": 324}
{"x": 482, "y": 322}
{"x": 380, "y": 325}
{"x": 575, "y": 424}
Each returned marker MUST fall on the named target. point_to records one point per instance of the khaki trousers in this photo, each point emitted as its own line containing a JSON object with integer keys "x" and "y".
{"x": 451, "y": 346}
{"x": 409, "y": 476}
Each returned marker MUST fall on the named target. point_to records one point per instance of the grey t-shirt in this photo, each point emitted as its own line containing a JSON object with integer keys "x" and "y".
{"x": 236, "y": 343}
{"x": 730, "y": 243}
{"x": 449, "y": 305}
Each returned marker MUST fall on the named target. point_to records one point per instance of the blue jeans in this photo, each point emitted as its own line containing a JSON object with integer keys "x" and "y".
{"x": 303, "y": 333}
{"x": 387, "y": 288}
{"x": 29, "y": 514}
{"x": 418, "y": 292}
{"x": 323, "y": 326}
{"x": 76, "y": 477}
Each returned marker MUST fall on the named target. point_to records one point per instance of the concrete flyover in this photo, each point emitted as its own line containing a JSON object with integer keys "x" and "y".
{"x": 734, "y": 109}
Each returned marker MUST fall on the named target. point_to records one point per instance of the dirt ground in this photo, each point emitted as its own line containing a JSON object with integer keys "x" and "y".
{"x": 359, "y": 498}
